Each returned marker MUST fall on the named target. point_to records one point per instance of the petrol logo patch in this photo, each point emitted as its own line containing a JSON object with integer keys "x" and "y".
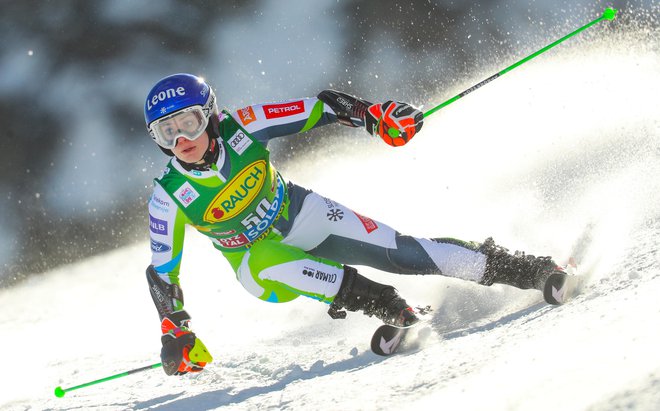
{"x": 284, "y": 109}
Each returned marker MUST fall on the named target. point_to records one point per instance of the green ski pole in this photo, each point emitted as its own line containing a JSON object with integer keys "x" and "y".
{"x": 59, "y": 391}
{"x": 608, "y": 14}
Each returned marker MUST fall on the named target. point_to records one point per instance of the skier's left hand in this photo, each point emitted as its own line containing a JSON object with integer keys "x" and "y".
{"x": 395, "y": 122}
{"x": 182, "y": 351}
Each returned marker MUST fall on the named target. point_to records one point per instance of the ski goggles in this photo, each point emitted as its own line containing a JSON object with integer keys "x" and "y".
{"x": 189, "y": 123}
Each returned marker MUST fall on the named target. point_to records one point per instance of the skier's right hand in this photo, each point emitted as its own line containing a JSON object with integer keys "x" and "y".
{"x": 182, "y": 351}
{"x": 395, "y": 122}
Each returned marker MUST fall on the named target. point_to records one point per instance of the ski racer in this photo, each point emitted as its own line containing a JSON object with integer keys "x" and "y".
{"x": 283, "y": 240}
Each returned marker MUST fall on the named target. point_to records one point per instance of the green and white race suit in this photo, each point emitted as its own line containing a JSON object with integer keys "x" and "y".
{"x": 282, "y": 240}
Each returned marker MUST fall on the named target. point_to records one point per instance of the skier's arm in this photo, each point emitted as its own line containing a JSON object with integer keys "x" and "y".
{"x": 182, "y": 351}
{"x": 272, "y": 120}
{"x": 396, "y": 123}
{"x": 166, "y": 231}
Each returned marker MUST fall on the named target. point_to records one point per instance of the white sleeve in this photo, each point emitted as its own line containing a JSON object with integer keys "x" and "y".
{"x": 166, "y": 231}
{"x": 271, "y": 120}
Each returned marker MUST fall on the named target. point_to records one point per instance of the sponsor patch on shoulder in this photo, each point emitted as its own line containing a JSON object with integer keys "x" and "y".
{"x": 186, "y": 194}
{"x": 285, "y": 109}
{"x": 246, "y": 114}
{"x": 239, "y": 142}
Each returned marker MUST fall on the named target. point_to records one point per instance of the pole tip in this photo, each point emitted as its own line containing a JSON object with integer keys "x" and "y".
{"x": 609, "y": 13}
{"x": 59, "y": 392}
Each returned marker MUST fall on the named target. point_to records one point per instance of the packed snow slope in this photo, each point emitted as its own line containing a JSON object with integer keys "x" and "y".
{"x": 560, "y": 157}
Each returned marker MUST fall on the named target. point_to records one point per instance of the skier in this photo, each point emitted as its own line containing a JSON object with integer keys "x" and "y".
{"x": 281, "y": 239}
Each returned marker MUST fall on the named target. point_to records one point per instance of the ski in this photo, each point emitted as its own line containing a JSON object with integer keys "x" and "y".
{"x": 388, "y": 338}
{"x": 562, "y": 286}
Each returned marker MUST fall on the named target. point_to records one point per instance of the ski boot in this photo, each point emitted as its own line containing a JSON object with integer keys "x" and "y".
{"x": 373, "y": 299}
{"x": 517, "y": 269}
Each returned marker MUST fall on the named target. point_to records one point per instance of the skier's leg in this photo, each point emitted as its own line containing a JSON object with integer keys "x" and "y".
{"x": 277, "y": 272}
{"x": 328, "y": 229}
{"x": 358, "y": 293}
{"x": 518, "y": 269}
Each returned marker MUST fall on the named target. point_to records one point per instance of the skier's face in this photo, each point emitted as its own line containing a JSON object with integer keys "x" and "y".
{"x": 191, "y": 151}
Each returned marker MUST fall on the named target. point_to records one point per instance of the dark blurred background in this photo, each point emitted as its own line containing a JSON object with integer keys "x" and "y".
{"x": 75, "y": 159}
